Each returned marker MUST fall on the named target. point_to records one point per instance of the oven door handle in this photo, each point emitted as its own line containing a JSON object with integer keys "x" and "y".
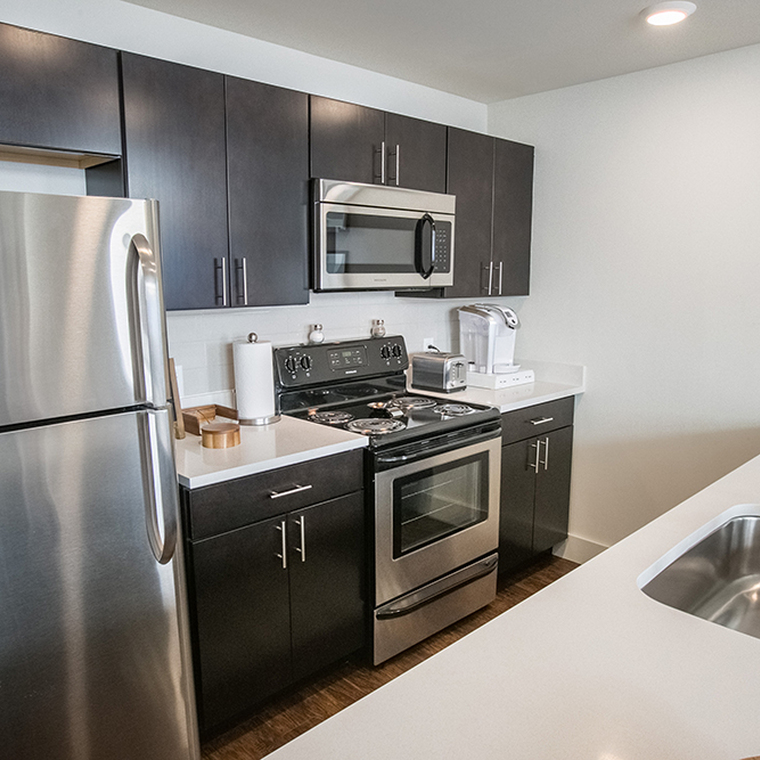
{"x": 453, "y": 443}
{"x": 424, "y": 597}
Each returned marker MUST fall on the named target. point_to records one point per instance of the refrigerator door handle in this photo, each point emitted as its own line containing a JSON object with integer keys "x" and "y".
{"x": 144, "y": 284}
{"x": 162, "y": 504}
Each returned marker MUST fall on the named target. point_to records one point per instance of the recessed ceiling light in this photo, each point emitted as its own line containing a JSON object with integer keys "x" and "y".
{"x": 664, "y": 14}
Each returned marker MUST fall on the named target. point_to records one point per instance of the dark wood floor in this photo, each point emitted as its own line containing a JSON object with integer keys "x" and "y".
{"x": 291, "y": 714}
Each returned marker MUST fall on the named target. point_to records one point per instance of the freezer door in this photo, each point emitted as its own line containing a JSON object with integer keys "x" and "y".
{"x": 81, "y": 311}
{"x": 94, "y": 658}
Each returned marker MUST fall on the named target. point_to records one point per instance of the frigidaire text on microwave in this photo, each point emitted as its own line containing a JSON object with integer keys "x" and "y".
{"x": 374, "y": 237}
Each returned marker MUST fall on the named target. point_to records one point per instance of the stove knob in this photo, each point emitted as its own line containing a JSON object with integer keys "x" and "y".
{"x": 385, "y": 352}
{"x": 306, "y": 362}
{"x": 290, "y": 363}
{"x": 396, "y": 350}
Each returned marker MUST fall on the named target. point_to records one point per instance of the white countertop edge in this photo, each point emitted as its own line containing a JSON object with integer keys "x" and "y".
{"x": 273, "y": 463}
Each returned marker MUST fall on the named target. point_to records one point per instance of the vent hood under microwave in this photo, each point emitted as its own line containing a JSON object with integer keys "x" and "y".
{"x": 374, "y": 237}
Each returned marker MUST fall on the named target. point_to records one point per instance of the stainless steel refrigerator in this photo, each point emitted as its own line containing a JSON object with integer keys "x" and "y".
{"x": 94, "y": 654}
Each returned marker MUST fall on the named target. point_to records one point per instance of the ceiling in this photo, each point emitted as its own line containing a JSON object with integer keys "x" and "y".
{"x": 485, "y": 50}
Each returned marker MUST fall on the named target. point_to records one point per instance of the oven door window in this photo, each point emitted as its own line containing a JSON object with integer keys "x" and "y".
{"x": 432, "y": 504}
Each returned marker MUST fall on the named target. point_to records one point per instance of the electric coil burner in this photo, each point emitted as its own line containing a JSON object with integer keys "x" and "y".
{"x": 433, "y": 472}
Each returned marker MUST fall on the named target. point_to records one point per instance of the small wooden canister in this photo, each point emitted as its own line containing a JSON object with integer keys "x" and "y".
{"x": 220, "y": 435}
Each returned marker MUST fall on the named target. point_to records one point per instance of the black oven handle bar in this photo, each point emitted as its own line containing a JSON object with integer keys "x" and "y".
{"x": 437, "y": 589}
{"x": 413, "y": 452}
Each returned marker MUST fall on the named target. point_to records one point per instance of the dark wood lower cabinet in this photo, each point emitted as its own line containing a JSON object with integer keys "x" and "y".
{"x": 535, "y": 483}
{"x": 242, "y": 603}
{"x": 273, "y": 602}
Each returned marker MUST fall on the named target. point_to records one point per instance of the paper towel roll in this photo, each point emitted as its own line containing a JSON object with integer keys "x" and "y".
{"x": 254, "y": 382}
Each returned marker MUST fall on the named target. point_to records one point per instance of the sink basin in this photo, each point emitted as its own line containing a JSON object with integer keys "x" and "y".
{"x": 717, "y": 579}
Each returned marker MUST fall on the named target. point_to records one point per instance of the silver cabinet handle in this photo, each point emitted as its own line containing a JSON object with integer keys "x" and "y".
{"x": 241, "y": 267}
{"x": 535, "y": 463}
{"x": 301, "y": 522}
{"x": 501, "y": 268}
{"x": 490, "y": 277}
{"x": 541, "y": 420}
{"x": 397, "y": 162}
{"x": 220, "y": 265}
{"x": 283, "y": 545}
{"x": 297, "y": 489}
{"x": 380, "y": 152}
{"x": 545, "y": 463}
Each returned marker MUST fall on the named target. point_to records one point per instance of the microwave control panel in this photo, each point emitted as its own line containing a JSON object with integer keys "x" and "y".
{"x": 304, "y": 365}
{"x": 442, "y": 246}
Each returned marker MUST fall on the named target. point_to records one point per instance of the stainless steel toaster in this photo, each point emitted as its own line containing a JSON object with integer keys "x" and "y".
{"x": 438, "y": 371}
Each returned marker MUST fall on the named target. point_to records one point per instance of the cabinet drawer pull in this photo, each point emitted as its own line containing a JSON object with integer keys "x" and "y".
{"x": 301, "y": 522}
{"x": 283, "y": 545}
{"x": 541, "y": 420}
{"x": 297, "y": 489}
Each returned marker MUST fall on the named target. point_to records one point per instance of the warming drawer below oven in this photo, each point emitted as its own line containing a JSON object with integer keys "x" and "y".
{"x": 415, "y": 616}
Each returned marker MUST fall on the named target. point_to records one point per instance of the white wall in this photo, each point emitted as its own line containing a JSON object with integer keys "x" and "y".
{"x": 646, "y": 268}
{"x": 200, "y": 341}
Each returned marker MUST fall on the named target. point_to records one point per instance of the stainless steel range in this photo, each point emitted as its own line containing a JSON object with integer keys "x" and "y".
{"x": 433, "y": 477}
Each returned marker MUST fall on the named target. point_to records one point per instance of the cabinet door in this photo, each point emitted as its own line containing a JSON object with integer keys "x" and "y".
{"x": 471, "y": 180}
{"x": 327, "y": 569}
{"x": 512, "y": 215}
{"x": 345, "y": 141}
{"x": 518, "y": 482}
{"x": 174, "y": 136}
{"x": 416, "y": 153}
{"x": 268, "y": 172}
{"x": 58, "y": 93}
{"x": 552, "y": 489}
{"x": 242, "y": 619}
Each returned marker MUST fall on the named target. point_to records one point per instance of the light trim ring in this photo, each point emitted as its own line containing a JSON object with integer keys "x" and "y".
{"x": 664, "y": 14}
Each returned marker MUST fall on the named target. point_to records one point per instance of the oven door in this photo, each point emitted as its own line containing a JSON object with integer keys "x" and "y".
{"x": 435, "y": 514}
{"x": 364, "y": 248}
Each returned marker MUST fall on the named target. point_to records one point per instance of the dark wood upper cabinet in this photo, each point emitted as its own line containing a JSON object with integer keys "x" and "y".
{"x": 415, "y": 149}
{"x": 470, "y": 159}
{"x": 57, "y": 93}
{"x": 512, "y": 216}
{"x": 268, "y": 175}
{"x": 359, "y": 144}
{"x": 175, "y": 150}
{"x": 345, "y": 140}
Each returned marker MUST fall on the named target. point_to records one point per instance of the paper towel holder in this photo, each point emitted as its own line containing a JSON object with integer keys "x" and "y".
{"x": 253, "y": 338}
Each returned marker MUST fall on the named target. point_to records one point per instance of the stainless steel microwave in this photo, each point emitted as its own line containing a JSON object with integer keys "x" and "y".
{"x": 374, "y": 237}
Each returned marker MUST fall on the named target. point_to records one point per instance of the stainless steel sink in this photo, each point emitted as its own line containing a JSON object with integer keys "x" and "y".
{"x": 717, "y": 579}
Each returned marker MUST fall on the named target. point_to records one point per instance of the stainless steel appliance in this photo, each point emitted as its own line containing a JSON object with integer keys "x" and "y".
{"x": 93, "y": 641}
{"x": 373, "y": 237}
{"x": 433, "y": 482}
{"x": 438, "y": 371}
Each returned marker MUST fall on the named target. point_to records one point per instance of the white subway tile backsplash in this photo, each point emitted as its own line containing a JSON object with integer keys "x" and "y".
{"x": 201, "y": 341}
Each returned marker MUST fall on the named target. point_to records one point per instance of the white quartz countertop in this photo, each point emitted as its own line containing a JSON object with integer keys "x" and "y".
{"x": 553, "y": 381}
{"x": 589, "y": 668}
{"x": 267, "y": 447}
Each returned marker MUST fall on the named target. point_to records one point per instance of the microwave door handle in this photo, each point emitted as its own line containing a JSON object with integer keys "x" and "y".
{"x": 423, "y": 242}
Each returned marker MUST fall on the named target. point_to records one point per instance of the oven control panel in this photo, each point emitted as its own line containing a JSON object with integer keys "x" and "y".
{"x": 304, "y": 365}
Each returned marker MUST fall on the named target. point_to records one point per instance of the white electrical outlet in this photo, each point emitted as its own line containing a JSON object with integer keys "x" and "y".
{"x": 427, "y": 343}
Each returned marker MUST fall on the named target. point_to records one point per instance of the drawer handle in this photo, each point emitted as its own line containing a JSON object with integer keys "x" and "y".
{"x": 297, "y": 489}
{"x": 541, "y": 420}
